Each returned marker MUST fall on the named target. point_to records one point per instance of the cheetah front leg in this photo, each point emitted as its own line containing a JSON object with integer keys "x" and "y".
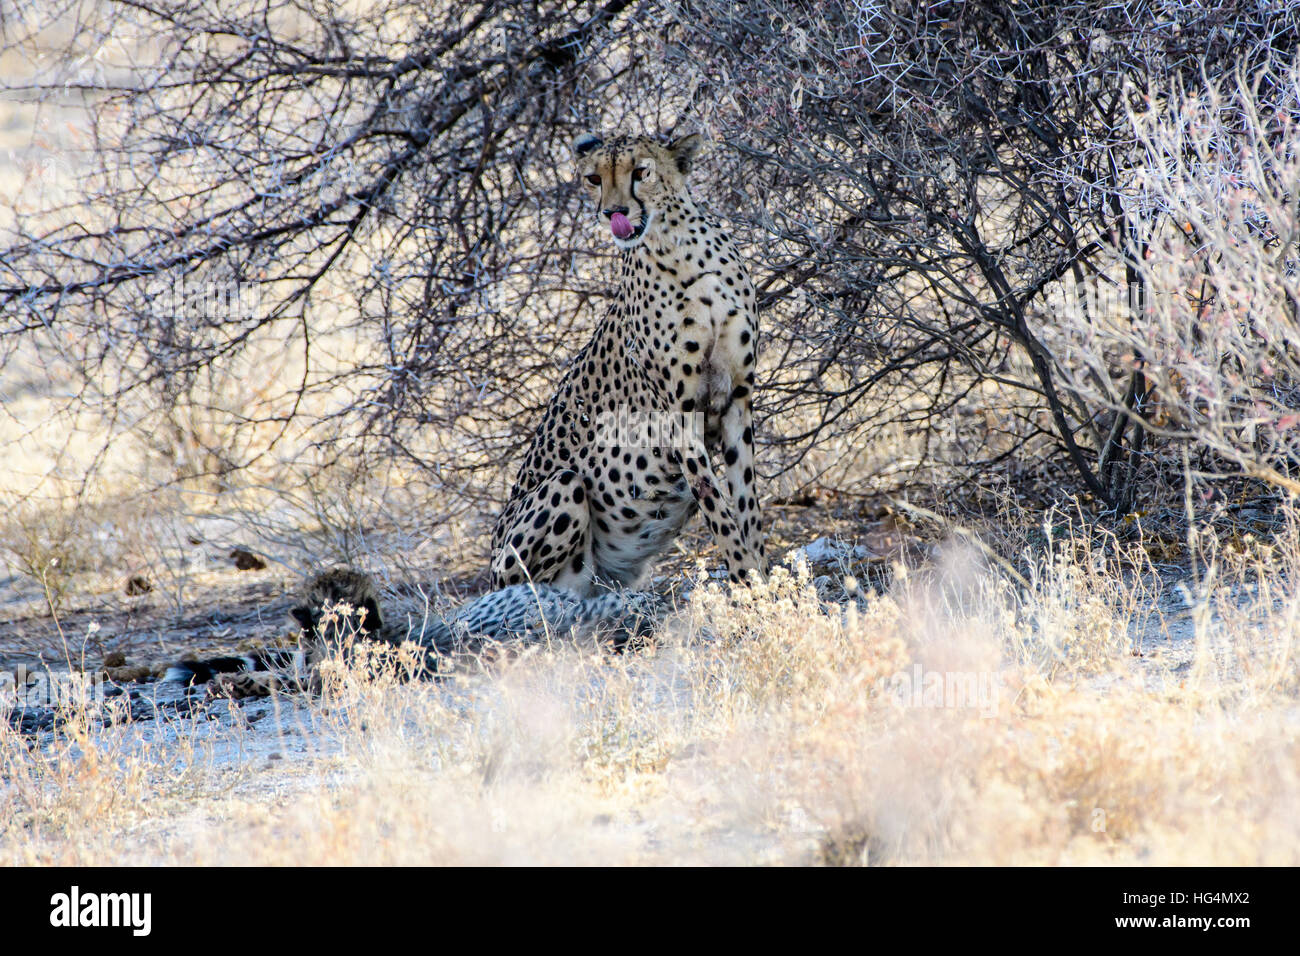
{"x": 717, "y": 506}
{"x": 722, "y": 390}
{"x": 544, "y": 536}
{"x": 732, "y": 399}
{"x": 738, "y": 459}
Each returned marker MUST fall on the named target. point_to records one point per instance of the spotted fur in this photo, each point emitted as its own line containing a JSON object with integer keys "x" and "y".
{"x": 341, "y": 606}
{"x": 678, "y": 344}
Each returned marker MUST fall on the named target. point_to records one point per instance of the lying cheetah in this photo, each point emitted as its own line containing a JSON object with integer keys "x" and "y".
{"x": 625, "y": 452}
{"x": 342, "y": 605}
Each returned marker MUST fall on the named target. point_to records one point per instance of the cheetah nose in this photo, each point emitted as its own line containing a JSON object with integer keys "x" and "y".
{"x": 620, "y": 226}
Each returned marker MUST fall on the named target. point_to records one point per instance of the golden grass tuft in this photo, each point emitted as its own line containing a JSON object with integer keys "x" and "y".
{"x": 957, "y": 718}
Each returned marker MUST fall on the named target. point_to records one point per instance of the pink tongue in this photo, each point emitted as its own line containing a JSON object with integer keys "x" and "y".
{"x": 620, "y": 226}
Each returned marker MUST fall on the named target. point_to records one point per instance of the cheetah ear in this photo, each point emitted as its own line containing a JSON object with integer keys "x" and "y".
{"x": 684, "y": 150}
{"x": 585, "y": 143}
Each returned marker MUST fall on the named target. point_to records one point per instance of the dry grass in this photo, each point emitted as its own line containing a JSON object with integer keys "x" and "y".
{"x": 765, "y": 726}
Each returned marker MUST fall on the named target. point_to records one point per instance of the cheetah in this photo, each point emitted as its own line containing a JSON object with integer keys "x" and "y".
{"x": 625, "y": 453}
{"x": 341, "y": 606}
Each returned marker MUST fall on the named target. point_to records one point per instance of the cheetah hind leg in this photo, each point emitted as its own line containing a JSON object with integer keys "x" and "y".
{"x": 545, "y": 537}
{"x": 244, "y": 684}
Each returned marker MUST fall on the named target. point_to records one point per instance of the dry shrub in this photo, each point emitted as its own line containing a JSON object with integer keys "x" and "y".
{"x": 1209, "y": 325}
{"x": 52, "y": 541}
{"x": 911, "y": 183}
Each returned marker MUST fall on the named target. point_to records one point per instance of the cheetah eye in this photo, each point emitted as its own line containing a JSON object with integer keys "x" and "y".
{"x": 594, "y": 179}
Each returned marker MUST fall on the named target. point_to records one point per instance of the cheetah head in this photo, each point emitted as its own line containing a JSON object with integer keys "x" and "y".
{"x": 632, "y": 179}
{"x": 339, "y": 586}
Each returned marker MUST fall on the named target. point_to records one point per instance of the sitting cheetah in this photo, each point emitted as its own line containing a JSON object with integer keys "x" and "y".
{"x": 342, "y": 605}
{"x": 671, "y": 366}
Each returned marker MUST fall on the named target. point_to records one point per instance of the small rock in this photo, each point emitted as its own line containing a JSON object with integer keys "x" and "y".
{"x": 826, "y": 551}
{"x": 138, "y": 584}
{"x": 246, "y": 560}
{"x": 126, "y": 675}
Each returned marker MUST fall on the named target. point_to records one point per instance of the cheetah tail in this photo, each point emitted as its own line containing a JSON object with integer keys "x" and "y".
{"x": 196, "y": 671}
